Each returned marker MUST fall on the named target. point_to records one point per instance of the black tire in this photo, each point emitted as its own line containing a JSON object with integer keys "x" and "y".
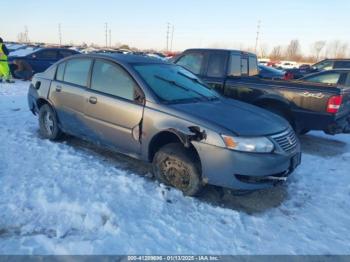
{"x": 48, "y": 123}
{"x": 176, "y": 166}
{"x": 304, "y": 131}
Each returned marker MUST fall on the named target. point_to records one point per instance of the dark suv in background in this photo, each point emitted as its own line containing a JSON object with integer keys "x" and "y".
{"x": 40, "y": 58}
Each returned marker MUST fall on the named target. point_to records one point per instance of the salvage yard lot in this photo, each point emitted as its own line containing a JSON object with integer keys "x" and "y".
{"x": 69, "y": 197}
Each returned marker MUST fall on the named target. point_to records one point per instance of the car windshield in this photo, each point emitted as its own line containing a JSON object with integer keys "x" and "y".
{"x": 174, "y": 84}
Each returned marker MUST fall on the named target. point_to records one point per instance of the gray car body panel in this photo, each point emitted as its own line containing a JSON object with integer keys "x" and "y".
{"x": 132, "y": 131}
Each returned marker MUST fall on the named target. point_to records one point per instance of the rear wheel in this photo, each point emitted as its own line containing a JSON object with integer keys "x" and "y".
{"x": 176, "y": 166}
{"x": 48, "y": 123}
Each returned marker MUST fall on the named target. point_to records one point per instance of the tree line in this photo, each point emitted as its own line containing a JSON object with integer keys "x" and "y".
{"x": 319, "y": 50}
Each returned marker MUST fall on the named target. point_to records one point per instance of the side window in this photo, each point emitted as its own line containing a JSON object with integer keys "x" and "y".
{"x": 244, "y": 66}
{"x": 65, "y": 53}
{"x": 192, "y": 62}
{"x": 216, "y": 65}
{"x": 77, "y": 71}
{"x": 235, "y": 65}
{"x": 253, "y": 66}
{"x": 342, "y": 64}
{"x": 46, "y": 54}
{"x": 60, "y": 71}
{"x": 328, "y": 78}
{"x": 347, "y": 82}
{"x": 113, "y": 80}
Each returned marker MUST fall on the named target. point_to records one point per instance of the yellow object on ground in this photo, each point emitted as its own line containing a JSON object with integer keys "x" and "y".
{"x": 4, "y": 66}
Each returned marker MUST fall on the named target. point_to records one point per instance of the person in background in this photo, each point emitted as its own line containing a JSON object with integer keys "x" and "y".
{"x": 23, "y": 70}
{"x": 5, "y": 73}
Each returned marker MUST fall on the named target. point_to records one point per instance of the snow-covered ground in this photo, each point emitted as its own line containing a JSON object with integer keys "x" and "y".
{"x": 73, "y": 198}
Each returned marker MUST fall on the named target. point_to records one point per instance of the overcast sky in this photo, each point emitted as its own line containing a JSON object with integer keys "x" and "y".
{"x": 143, "y": 24}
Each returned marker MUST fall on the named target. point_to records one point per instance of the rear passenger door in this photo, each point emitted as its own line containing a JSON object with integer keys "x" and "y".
{"x": 68, "y": 92}
{"x": 113, "y": 108}
{"x": 215, "y": 70}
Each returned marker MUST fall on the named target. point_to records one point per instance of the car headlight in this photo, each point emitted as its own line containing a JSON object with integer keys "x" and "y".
{"x": 248, "y": 144}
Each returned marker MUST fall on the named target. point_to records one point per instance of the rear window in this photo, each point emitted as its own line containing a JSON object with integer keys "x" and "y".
{"x": 77, "y": 71}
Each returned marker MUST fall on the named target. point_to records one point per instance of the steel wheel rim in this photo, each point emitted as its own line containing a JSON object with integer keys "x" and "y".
{"x": 175, "y": 173}
{"x": 48, "y": 123}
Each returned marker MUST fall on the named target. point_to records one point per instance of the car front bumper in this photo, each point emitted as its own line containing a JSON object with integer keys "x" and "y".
{"x": 243, "y": 170}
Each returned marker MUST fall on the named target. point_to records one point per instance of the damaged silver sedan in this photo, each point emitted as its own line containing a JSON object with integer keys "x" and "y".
{"x": 162, "y": 113}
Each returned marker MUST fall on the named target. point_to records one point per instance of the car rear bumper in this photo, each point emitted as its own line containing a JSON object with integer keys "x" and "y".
{"x": 245, "y": 171}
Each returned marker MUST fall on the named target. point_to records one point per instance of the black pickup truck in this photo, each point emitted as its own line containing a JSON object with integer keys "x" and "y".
{"x": 306, "y": 105}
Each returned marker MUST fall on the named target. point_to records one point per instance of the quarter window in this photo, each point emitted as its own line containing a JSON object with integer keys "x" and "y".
{"x": 77, "y": 71}
{"x": 192, "y": 62}
{"x": 113, "y": 80}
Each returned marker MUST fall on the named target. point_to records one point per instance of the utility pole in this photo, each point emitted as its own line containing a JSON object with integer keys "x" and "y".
{"x": 106, "y": 34}
{"x": 172, "y": 38}
{"x": 26, "y": 34}
{"x": 110, "y": 38}
{"x": 60, "y": 34}
{"x": 257, "y": 37}
{"x": 167, "y": 36}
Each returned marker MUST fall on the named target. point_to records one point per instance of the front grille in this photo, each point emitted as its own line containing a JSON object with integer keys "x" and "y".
{"x": 286, "y": 140}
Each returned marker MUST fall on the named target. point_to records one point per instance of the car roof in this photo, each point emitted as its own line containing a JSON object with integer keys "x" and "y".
{"x": 126, "y": 58}
{"x": 219, "y": 50}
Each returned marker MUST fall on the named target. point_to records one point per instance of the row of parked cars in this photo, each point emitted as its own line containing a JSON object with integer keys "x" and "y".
{"x": 202, "y": 119}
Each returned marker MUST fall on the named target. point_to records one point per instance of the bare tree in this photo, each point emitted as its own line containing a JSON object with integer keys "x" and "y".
{"x": 276, "y": 53}
{"x": 337, "y": 49}
{"x": 293, "y": 50}
{"x": 317, "y": 48}
{"x": 264, "y": 50}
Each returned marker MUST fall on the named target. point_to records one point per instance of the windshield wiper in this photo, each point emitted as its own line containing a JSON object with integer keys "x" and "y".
{"x": 182, "y": 87}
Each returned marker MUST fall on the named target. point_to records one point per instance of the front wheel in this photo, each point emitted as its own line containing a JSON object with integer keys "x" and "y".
{"x": 176, "y": 166}
{"x": 48, "y": 123}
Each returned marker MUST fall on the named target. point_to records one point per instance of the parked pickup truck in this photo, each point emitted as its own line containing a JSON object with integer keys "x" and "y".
{"x": 306, "y": 105}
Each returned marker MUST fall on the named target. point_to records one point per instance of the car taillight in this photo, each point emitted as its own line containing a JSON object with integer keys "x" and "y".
{"x": 334, "y": 103}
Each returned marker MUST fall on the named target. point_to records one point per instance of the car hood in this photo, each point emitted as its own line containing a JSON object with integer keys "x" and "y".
{"x": 240, "y": 118}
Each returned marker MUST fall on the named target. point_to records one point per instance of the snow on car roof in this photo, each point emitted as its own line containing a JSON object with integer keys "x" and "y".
{"x": 24, "y": 52}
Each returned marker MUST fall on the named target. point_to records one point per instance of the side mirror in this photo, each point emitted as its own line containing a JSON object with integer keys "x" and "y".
{"x": 37, "y": 85}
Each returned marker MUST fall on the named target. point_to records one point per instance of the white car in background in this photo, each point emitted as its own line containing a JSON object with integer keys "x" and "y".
{"x": 287, "y": 65}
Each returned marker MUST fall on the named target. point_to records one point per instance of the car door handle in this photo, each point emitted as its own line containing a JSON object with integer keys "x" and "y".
{"x": 92, "y": 100}
{"x": 58, "y": 88}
